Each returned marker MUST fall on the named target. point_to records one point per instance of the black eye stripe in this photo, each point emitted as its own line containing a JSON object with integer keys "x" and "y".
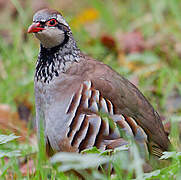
{"x": 42, "y": 23}
{"x": 61, "y": 26}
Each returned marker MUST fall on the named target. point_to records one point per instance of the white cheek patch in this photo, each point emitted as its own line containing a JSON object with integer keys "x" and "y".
{"x": 51, "y": 37}
{"x": 61, "y": 20}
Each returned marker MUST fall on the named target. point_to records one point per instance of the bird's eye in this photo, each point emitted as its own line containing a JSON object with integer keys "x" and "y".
{"x": 51, "y": 22}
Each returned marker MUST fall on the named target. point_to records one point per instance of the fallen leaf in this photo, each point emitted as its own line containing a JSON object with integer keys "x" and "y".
{"x": 10, "y": 122}
{"x": 131, "y": 42}
{"x": 24, "y": 108}
{"x": 108, "y": 41}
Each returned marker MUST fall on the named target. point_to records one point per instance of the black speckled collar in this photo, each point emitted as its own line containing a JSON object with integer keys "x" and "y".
{"x": 54, "y": 60}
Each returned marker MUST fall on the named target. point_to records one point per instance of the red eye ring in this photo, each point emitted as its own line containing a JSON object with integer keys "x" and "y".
{"x": 51, "y": 22}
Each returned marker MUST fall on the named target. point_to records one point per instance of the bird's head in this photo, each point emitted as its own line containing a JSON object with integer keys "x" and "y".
{"x": 50, "y": 28}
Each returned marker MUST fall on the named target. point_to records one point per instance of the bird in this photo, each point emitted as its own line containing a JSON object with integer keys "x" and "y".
{"x": 83, "y": 102}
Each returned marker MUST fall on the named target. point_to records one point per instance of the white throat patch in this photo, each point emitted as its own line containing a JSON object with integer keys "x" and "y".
{"x": 51, "y": 37}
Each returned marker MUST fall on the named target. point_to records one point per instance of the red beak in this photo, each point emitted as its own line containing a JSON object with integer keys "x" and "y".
{"x": 35, "y": 27}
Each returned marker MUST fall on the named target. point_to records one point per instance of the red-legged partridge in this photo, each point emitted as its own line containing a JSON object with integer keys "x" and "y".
{"x": 73, "y": 90}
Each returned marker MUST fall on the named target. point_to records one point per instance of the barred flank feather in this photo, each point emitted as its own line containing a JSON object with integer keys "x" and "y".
{"x": 87, "y": 128}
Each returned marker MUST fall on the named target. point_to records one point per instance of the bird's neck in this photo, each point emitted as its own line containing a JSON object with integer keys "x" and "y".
{"x": 51, "y": 62}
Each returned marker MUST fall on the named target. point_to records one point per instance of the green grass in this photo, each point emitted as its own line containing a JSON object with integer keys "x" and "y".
{"x": 159, "y": 79}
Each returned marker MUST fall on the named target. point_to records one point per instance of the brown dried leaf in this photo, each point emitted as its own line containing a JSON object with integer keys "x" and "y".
{"x": 24, "y": 108}
{"x": 108, "y": 41}
{"x": 131, "y": 42}
{"x": 10, "y": 121}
